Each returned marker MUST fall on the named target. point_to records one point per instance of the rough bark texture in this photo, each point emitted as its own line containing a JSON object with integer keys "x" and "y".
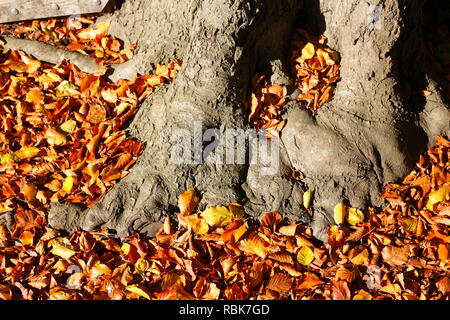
{"x": 367, "y": 136}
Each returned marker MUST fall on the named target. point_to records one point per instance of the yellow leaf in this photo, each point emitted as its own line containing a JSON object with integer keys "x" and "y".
{"x": 443, "y": 194}
{"x": 54, "y": 137}
{"x": 408, "y": 224}
{"x": 358, "y": 255}
{"x": 30, "y": 192}
{"x": 236, "y": 210}
{"x": 26, "y": 238}
{"x": 68, "y": 184}
{"x": 110, "y": 95}
{"x": 197, "y": 224}
{"x": 362, "y": 295}
{"x": 48, "y": 78}
{"x": 305, "y": 256}
{"x": 187, "y": 202}
{"x": 62, "y": 247}
{"x": 217, "y": 216}
{"x": 60, "y": 295}
{"x": 137, "y": 290}
{"x": 392, "y": 288}
{"x": 340, "y": 213}
{"x": 308, "y": 51}
{"x": 9, "y": 157}
{"x": 307, "y": 196}
{"x": 68, "y": 127}
{"x": 99, "y": 269}
{"x": 27, "y": 152}
{"x": 121, "y": 108}
{"x": 355, "y": 216}
{"x": 142, "y": 265}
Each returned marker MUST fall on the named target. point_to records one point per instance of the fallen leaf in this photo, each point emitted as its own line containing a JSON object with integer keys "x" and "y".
{"x": 305, "y": 256}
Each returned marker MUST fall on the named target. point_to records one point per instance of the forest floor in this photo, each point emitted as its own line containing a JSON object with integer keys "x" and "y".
{"x": 63, "y": 139}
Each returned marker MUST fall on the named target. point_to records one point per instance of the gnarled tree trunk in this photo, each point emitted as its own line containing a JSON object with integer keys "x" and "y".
{"x": 367, "y": 136}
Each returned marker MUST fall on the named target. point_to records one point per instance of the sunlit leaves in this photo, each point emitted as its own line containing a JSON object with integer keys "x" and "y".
{"x": 220, "y": 216}
{"x": 305, "y": 256}
{"x": 68, "y": 142}
{"x": 68, "y": 127}
{"x": 264, "y": 106}
{"x": 66, "y": 89}
{"x": 440, "y": 195}
{"x": 355, "y": 216}
{"x": 80, "y": 35}
{"x": 8, "y": 158}
{"x": 359, "y": 255}
{"x": 136, "y": 289}
{"x": 308, "y": 52}
{"x": 315, "y": 68}
{"x": 340, "y": 213}
{"x": 187, "y": 202}
{"x": 307, "y": 197}
{"x": 62, "y": 248}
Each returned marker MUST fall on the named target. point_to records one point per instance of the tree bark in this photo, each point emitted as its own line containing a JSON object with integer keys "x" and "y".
{"x": 369, "y": 135}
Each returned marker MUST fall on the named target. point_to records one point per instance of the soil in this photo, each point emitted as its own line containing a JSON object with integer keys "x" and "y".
{"x": 370, "y": 134}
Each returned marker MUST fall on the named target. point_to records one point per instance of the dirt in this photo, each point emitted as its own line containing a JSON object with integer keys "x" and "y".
{"x": 369, "y": 135}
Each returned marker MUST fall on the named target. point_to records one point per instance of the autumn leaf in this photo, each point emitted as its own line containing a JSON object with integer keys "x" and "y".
{"x": 308, "y": 51}
{"x": 9, "y": 158}
{"x": 59, "y": 295}
{"x": 66, "y": 89}
{"x": 62, "y": 247}
{"x": 355, "y": 216}
{"x": 68, "y": 127}
{"x": 340, "y": 291}
{"x": 27, "y": 238}
{"x": 196, "y": 223}
{"x": 5, "y": 292}
{"x": 234, "y": 231}
{"x": 396, "y": 256}
{"x": 310, "y": 280}
{"x": 340, "y": 213}
{"x": 358, "y": 255}
{"x": 255, "y": 244}
{"x": 307, "y": 196}
{"x": 55, "y": 138}
{"x": 217, "y": 216}
{"x": 68, "y": 184}
{"x": 27, "y": 152}
{"x": 440, "y": 195}
{"x": 187, "y": 202}
{"x": 270, "y": 220}
{"x": 305, "y": 256}
{"x": 362, "y": 295}
{"x": 138, "y": 290}
{"x": 443, "y": 285}
{"x": 280, "y": 283}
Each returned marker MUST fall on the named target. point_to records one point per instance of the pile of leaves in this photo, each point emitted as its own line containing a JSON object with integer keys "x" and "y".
{"x": 74, "y": 34}
{"x": 401, "y": 252}
{"x": 315, "y": 68}
{"x": 265, "y": 106}
{"x": 62, "y": 131}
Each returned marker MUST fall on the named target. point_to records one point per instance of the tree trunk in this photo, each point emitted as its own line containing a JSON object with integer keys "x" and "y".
{"x": 370, "y": 134}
